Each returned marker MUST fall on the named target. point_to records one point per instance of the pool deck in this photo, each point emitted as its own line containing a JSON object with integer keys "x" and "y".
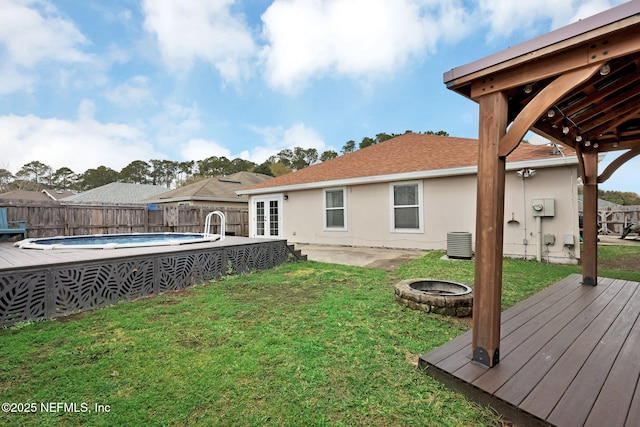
{"x": 568, "y": 357}
{"x": 12, "y": 258}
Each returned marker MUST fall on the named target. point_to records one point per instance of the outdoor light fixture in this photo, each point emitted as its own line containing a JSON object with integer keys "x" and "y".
{"x": 605, "y": 69}
{"x": 526, "y": 173}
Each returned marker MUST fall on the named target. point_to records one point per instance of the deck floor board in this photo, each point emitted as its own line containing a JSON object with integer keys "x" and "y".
{"x": 620, "y": 383}
{"x": 534, "y": 336}
{"x": 566, "y": 352}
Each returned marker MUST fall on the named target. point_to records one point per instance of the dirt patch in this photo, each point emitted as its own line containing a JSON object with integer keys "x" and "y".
{"x": 623, "y": 262}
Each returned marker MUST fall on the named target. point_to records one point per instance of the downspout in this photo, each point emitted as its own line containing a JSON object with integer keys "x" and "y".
{"x": 524, "y": 174}
{"x": 524, "y": 215}
{"x": 539, "y": 238}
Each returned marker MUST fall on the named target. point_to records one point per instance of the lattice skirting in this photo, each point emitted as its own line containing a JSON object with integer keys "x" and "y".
{"x": 53, "y": 291}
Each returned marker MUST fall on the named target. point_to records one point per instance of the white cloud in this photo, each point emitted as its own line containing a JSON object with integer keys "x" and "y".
{"x": 79, "y": 145}
{"x": 86, "y": 110}
{"x": 299, "y": 135}
{"x": 592, "y": 7}
{"x": 204, "y": 30}
{"x": 200, "y": 149}
{"x": 277, "y": 138}
{"x": 526, "y": 16}
{"x": 134, "y": 92}
{"x": 176, "y": 124}
{"x": 13, "y": 80}
{"x": 31, "y": 33}
{"x": 359, "y": 39}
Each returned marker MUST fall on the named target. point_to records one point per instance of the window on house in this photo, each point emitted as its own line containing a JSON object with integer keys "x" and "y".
{"x": 407, "y": 206}
{"x": 334, "y": 209}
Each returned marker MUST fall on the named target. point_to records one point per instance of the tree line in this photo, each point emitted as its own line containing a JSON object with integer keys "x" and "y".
{"x": 36, "y": 175}
{"x": 625, "y": 198}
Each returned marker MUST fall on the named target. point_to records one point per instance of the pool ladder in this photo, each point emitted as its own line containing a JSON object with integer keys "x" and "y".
{"x": 207, "y": 224}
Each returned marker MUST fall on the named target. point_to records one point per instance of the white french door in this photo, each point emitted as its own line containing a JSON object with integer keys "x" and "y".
{"x": 267, "y": 217}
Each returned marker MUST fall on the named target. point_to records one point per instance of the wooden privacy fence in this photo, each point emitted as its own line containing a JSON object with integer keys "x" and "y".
{"x": 613, "y": 220}
{"x": 48, "y": 219}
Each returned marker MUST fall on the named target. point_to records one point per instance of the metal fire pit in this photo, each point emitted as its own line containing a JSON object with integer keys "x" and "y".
{"x": 435, "y": 296}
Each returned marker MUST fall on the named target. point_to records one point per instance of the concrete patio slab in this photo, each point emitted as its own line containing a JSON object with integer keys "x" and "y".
{"x": 382, "y": 258}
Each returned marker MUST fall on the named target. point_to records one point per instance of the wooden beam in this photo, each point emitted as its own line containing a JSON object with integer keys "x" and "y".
{"x": 612, "y": 119}
{"x": 590, "y": 218}
{"x": 540, "y": 104}
{"x": 619, "y": 161}
{"x": 622, "y": 145}
{"x": 489, "y": 231}
{"x": 536, "y": 70}
{"x": 558, "y": 62}
{"x": 594, "y": 95}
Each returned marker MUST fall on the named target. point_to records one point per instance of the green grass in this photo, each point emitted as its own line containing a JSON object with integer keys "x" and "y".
{"x": 303, "y": 344}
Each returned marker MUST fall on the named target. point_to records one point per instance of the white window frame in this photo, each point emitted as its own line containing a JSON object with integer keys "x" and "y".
{"x": 325, "y": 208}
{"x": 420, "y": 207}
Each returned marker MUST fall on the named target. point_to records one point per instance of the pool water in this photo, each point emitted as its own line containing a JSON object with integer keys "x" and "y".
{"x": 115, "y": 241}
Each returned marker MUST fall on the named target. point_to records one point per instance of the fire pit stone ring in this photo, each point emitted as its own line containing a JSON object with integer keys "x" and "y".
{"x": 435, "y": 296}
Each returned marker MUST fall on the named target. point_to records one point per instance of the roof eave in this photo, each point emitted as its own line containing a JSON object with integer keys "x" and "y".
{"x": 406, "y": 176}
{"x": 236, "y": 199}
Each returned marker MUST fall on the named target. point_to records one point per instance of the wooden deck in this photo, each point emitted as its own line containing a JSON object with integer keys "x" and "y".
{"x": 569, "y": 357}
{"x": 12, "y": 258}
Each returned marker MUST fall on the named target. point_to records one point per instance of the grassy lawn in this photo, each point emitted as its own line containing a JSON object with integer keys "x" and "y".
{"x": 302, "y": 344}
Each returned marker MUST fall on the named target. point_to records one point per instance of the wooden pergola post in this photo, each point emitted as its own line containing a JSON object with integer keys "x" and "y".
{"x": 576, "y": 86}
{"x": 590, "y": 219}
{"x": 489, "y": 231}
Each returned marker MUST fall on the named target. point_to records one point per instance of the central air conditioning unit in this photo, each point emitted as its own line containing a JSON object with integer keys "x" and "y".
{"x": 459, "y": 245}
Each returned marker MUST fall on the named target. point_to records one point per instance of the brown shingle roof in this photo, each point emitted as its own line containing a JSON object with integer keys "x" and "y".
{"x": 116, "y": 192}
{"x": 25, "y": 195}
{"x": 410, "y": 152}
{"x": 215, "y": 188}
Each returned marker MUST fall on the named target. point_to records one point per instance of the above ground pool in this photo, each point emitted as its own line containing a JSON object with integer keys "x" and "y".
{"x": 116, "y": 241}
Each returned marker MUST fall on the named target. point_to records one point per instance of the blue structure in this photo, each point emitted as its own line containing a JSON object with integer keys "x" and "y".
{"x": 6, "y": 232}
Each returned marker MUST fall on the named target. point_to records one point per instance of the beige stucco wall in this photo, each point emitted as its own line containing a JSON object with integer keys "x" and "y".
{"x": 449, "y": 204}
{"x": 559, "y": 184}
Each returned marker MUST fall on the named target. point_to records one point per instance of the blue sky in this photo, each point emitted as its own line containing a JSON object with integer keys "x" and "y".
{"x": 90, "y": 83}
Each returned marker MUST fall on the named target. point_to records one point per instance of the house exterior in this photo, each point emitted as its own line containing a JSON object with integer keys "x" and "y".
{"x": 219, "y": 191}
{"x": 413, "y": 190}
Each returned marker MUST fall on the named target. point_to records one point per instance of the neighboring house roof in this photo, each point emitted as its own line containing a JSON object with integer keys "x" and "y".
{"x": 602, "y": 204}
{"x": 216, "y": 189}
{"x": 25, "y": 195}
{"x": 44, "y": 195}
{"x": 58, "y": 194}
{"x": 409, "y": 156}
{"x": 116, "y": 192}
